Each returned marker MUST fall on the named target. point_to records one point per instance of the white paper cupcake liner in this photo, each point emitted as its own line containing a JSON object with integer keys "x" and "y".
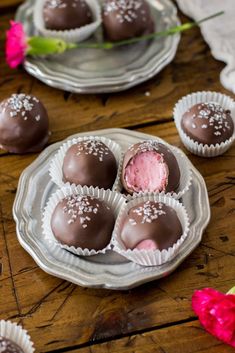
{"x": 55, "y": 169}
{"x": 114, "y": 200}
{"x": 203, "y": 97}
{"x": 16, "y": 334}
{"x": 72, "y": 35}
{"x": 150, "y": 257}
{"x": 185, "y": 177}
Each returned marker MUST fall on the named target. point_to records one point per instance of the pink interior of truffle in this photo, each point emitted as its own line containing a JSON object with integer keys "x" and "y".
{"x": 147, "y": 172}
{"x": 147, "y": 244}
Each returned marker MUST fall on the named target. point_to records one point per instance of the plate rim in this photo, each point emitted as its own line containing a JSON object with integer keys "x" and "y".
{"x": 24, "y": 240}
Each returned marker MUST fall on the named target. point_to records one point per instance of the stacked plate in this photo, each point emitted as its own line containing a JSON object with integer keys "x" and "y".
{"x": 100, "y": 71}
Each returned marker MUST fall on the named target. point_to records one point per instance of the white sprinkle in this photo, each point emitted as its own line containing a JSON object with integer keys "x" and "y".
{"x": 125, "y": 10}
{"x": 20, "y": 105}
{"x": 80, "y": 207}
{"x": 93, "y": 147}
{"x": 149, "y": 212}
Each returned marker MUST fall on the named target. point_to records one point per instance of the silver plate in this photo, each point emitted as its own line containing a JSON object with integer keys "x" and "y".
{"x": 99, "y": 71}
{"x": 111, "y": 270}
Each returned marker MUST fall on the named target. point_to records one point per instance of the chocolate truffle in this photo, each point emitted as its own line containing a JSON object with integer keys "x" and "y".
{"x": 150, "y": 166}
{"x": 90, "y": 163}
{"x": 208, "y": 123}
{"x": 8, "y": 346}
{"x": 63, "y": 15}
{"x": 151, "y": 225}
{"x": 23, "y": 124}
{"x": 124, "y": 19}
{"x": 83, "y": 221}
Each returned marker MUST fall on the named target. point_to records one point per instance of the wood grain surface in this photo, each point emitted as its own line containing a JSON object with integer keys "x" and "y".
{"x": 157, "y": 316}
{"x": 9, "y": 3}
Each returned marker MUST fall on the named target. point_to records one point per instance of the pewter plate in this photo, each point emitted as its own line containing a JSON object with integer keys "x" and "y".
{"x": 102, "y": 271}
{"x": 100, "y": 71}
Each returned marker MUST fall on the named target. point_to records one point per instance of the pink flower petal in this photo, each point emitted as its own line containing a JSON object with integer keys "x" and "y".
{"x": 216, "y": 312}
{"x": 16, "y": 44}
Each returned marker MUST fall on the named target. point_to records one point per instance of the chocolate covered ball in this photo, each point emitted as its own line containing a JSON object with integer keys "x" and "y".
{"x": 63, "y": 15}
{"x": 208, "y": 123}
{"x": 23, "y": 124}
{"x": 8, "y": 346}
{"x": 150, "y": 225}
{"x": 150, "y": 166}
{"x": 90, "y": 163}
{"x": 83, "y": 221}
{"x": 124, "y": 19}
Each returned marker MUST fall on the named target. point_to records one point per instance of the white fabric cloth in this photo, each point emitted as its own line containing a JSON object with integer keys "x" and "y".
{"x": 219, "y": 32}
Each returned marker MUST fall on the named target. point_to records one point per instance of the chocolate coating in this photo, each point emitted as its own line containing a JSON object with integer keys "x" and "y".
{"x": 90, "y": 163}
{"x": 23, "y": 124}
{"x": 62, "y": 15}
{"x": 168, "y": 157}
{"x": 208, "y": 123}
{"x": 151, "y": 221}
{"x": 83, "y": 221}
{"x": 124, "y": 19}
{"x": 8, "y": 346}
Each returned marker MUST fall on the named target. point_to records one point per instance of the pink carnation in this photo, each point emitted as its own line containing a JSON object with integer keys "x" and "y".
{"x": 216, "y": 312}
{"x": 16, "y": 44}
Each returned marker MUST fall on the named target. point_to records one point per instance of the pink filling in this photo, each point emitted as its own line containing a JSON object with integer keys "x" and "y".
{"x": 146, "y": 245}
{"x": 147, "y": 172}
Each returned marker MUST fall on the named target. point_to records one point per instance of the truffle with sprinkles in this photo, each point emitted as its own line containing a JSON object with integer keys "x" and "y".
{"x": 150, "y": 225}
{"x": 124, "y": 19}
{"x": 23, "y": 124}
{"x": 8, "y": 346}
{"x": 63, "y": 15}
{"x": 208, "y": 123}
{"x": 83, "y": 221}
{"x": 90, "y": 162}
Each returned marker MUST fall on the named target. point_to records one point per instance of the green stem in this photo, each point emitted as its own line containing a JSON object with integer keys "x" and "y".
{"x": 46, "y": 46}
{"x": 231, "y": 291}
{"x": 170, "y": 31}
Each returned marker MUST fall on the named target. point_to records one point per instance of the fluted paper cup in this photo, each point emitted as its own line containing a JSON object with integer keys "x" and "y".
{"x": 17, "y": 335}
{"x": 55, "y": 169}
{"x": 73, "y": 35}
{"x": 190, "y": 100}
{"x": 150, "y": 257}
{"x": 113, "y": 199}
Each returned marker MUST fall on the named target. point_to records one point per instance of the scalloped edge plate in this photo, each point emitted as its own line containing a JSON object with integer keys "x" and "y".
{"x": 105, "y": 271}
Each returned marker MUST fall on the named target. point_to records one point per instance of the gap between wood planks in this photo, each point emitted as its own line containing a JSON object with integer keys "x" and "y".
{"x": 10, "y": 267}
{"x": 120, "y": 336}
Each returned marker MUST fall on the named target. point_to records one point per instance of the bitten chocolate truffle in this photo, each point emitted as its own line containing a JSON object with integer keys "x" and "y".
{"x": 150, "y": 166}
{"x": 90, "y": 163}
{"x": 23, "y": 124}
{"x": 124, "y": 19}
{"x": 83, "y": 221}
{"x": 208, "y": 123}
{"x": 62, "y": 15}
{"x": 8, "y": 346}
{"x": 151, "y": 225}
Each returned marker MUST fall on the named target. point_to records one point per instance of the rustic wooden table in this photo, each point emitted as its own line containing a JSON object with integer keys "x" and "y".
{"x": 157, "y": 316}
